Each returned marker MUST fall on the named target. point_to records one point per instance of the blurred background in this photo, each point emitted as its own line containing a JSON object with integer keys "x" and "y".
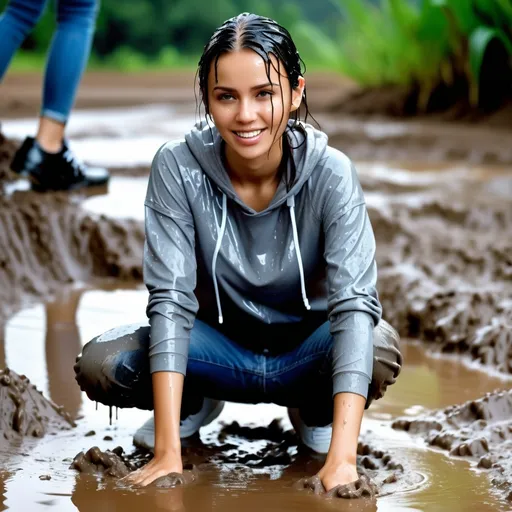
{"x": 441, "y": 51}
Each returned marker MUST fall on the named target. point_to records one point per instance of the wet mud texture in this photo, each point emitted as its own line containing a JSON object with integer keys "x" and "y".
{"x": 7, "y": 150}
{"x": 25, "y": 412}
{"x": 47, "y": 240}
{"x": 445, "y": 265}
{"x": 480, "y": 430}
{"x": 380, "y": 473}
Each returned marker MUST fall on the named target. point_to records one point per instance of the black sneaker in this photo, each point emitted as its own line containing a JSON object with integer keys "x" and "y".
{"x": 55, "y": 171}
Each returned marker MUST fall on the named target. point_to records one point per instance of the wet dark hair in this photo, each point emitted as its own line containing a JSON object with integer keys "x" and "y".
{"x": 265, "y": 37}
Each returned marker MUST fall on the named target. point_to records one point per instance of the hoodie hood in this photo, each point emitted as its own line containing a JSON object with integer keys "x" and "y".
{"x": 308, "y": 147}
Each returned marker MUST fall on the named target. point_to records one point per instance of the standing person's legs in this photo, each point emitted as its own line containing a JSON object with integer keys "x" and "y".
{"x": 66, "y": 62}
{"x": 16, "y": 22}
{"x": 47, "y": 158}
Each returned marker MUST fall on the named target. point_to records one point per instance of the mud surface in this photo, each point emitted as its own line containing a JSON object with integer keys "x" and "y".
{"x": 445, "y": 263}
{"x": 25, "y": 411}
{"x": 380, "y": 473}
{"x": 480, "y": 430}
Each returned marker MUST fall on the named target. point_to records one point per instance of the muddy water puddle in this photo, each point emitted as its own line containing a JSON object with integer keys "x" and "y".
{"x": 42, "y": 343}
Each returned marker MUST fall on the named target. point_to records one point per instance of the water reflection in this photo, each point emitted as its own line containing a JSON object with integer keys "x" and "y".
{"x": 62, "y": 344}
{"x": 208, "y": 495}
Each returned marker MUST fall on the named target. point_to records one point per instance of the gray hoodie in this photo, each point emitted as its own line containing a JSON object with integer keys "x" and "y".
{"x": 266, "y": 279}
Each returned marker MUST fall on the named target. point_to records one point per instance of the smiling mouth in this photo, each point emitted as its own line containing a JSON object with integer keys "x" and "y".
{"x": 248, "y": 135}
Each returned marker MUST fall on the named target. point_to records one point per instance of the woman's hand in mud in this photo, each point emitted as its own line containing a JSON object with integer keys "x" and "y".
{"x": 333, "y": 475}
{"x": 159, "y": 466}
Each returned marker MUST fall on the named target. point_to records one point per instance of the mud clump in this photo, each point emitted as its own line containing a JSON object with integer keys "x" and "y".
{"x": 25, "y": 412}
{"x": 480, "y": 430}
{"x": 363, "y": 487}
{"x": 115, "y": 464}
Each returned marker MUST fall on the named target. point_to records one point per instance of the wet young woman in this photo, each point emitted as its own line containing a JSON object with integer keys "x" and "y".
{"x": 259, "y": 261}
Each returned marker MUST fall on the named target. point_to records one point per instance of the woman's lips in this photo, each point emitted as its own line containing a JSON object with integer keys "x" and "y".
{"x": 249, "y": 141}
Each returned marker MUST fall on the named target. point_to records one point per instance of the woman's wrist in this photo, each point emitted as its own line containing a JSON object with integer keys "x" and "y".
{"x": 342, "y": 458}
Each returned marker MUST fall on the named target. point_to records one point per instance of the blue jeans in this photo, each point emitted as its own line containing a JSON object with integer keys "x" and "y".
{"x": 69, "y": 50}
{"x": 114, "y": 369}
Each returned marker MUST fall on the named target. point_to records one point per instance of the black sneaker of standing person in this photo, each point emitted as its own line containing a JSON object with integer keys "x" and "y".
{"x": 55, "y": 171}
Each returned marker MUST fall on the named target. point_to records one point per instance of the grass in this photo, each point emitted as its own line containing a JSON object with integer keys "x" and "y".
{"x": 423, "y": 44}
{"x": 123, "y": 60}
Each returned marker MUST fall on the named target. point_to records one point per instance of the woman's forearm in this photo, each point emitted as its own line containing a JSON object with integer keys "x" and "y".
{"x": 348, "y": 414}
{"x": 167, "y": 393}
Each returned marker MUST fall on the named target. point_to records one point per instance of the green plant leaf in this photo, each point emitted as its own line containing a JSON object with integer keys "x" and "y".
{"x": 479, "y": 41}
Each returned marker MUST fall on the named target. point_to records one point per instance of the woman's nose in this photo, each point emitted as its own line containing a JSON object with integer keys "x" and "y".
{"x": 246, "y": 112}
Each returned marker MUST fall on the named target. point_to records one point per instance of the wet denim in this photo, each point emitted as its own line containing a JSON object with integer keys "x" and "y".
{"x": 114, "y": 369}
{"x": 68, "y": 53}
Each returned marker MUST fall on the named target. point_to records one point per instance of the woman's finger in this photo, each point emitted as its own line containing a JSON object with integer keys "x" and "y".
{"x": 152, "y": 477}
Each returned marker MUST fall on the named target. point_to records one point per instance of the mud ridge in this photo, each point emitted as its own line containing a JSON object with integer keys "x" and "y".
{"x": 445, "y": 273}
{"x": 25, "y": 412}
{"x": 480, "y": 430}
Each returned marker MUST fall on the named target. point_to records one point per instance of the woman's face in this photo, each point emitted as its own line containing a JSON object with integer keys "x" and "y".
{"x": 249, "y": 111}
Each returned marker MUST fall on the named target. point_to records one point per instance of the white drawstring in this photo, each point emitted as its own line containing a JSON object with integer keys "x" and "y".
{"x": 220, "y": 235}
{"x": 291, "y": 204}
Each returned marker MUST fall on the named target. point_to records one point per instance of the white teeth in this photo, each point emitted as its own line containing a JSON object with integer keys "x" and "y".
{"x": 248, "y": 135}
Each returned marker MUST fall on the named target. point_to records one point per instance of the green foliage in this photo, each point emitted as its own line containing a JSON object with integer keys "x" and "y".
{"x": 421, "y": 44}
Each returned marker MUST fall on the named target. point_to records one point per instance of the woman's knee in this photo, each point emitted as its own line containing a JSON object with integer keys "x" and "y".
{"x": 387, "y": 360}
{"x": 111, "y": 360}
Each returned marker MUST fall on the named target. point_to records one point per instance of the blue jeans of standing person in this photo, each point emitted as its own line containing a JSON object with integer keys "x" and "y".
{"x": 113, "y": 369}
{"x": 69, "y": 50}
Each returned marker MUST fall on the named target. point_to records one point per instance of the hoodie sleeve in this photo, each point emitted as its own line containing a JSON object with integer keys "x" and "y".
{"x": 353, "y": 304}
{"x": 169, "y": 265}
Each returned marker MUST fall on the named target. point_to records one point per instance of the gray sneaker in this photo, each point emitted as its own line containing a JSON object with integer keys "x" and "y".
{"x": 145, "y": 435}
{"x": 317, "y": 439}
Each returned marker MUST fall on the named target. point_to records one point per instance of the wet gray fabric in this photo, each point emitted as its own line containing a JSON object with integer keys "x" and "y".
{"x": 195, "y": 223}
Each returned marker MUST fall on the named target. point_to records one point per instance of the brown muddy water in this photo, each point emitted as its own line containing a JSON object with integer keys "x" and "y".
{"x": 245, "y": 460}
{"x": 42, "y": 342}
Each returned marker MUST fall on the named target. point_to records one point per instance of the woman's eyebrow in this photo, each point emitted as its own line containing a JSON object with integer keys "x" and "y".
{"x": 230, "y": 89}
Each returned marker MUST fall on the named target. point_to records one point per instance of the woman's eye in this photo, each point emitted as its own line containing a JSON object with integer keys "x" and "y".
{"x": 265, "y": 94}
{"x": 225, "y": 96}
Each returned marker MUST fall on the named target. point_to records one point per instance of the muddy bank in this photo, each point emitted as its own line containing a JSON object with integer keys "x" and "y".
{"x": 445, "y": 266}
{"x": 479, "y": 430}
{"x": 380, "y": 473}
{"x": 25, "y": 412}
{"x": 47, "y": 240}
{"x": 445, "y": 104}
